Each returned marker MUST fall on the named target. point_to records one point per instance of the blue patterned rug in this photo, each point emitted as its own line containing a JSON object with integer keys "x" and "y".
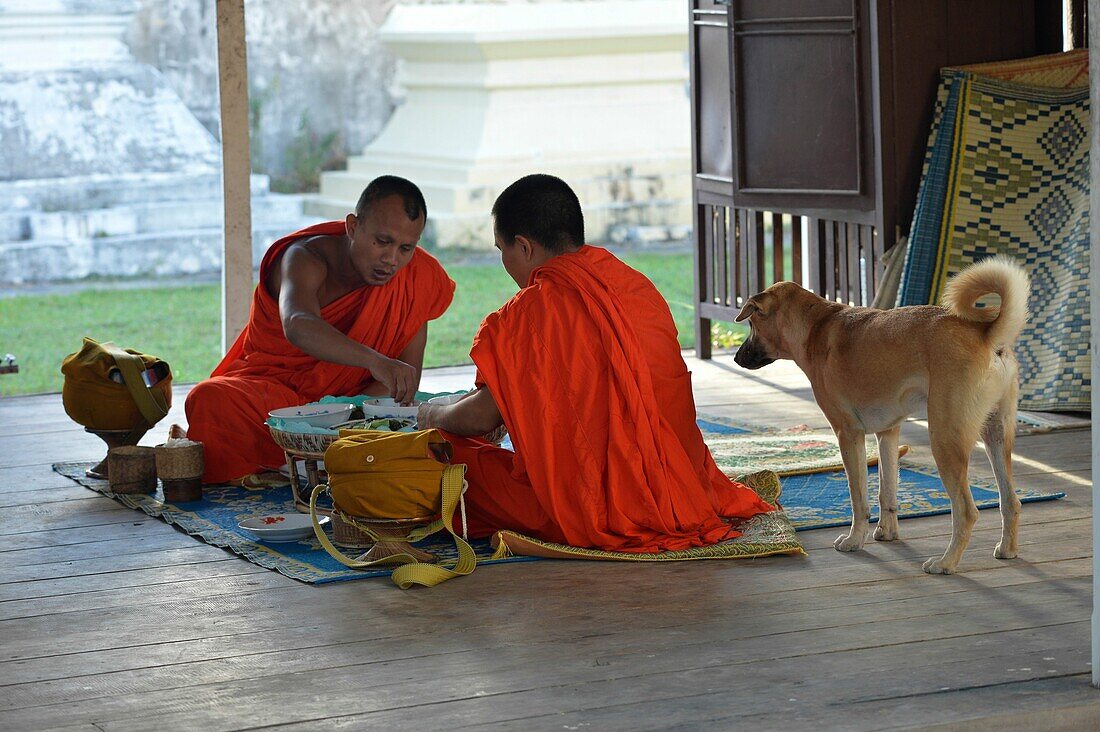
{"x": 1007, "y": 172}
{"x": 811, "y": 501}
{"x": 821, "y": 500}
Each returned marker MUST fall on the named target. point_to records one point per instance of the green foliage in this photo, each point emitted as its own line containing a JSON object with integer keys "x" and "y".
{"x": 182, "y": 324}
{"x": 727, "y": 335}
{"x": 307, "y": 155}
{"x": 257, "y": 102}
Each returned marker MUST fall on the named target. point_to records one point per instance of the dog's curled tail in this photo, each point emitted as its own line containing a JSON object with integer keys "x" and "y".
{"x": 1000, "y": 275}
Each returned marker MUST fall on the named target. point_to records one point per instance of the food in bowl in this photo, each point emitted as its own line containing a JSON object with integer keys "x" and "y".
{"x": 385, "y": 407}
{"x": 316, "y": 415}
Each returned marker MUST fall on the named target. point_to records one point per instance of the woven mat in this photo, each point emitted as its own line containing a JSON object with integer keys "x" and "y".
{"x": 820, "y": 500}
{"x": 761, "y": 536}
{"x": 214, "y": 520}
{"x": 784, "y": 453}
{"x": 810, "y": 501}
{"x": 1007, "y": 172}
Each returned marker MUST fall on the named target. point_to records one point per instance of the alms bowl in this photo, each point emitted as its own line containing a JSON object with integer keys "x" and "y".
{"x": 317, "y": 415}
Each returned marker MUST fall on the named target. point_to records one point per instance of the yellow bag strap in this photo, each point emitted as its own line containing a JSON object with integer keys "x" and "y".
{"x": 412, "y": 572}
{"x": 149, "y": 401}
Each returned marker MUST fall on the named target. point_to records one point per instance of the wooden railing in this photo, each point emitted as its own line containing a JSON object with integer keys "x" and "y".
{"x": 739, "y": 252}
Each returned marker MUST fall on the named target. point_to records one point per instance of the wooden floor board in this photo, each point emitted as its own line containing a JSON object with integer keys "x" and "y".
{"x": 110, "y": 619}
{"x": 636, "y": 654}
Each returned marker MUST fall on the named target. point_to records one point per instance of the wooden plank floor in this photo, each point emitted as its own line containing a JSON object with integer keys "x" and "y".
{"x": 111, "y": 620}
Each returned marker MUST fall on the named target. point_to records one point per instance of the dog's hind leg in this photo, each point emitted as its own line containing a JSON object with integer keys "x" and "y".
{"x": 887, "y": 529}
{"x": 999, "y": 436}
{"x": 952, "y": 453}
{"x": 853, "y": 451}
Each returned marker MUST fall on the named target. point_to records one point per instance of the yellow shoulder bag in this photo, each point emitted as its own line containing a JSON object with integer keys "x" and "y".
{"x": 387, "y": 476}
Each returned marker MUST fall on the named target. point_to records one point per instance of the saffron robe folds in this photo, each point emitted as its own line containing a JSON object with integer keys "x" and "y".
{"x": 585, "y": 367}
{"x": 263, "y": 371}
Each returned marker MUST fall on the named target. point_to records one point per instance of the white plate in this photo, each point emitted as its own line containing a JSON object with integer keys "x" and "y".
{"x": 281, "y": 527}
{"x": 386, "y": 407}
{"x": 318, "y": 415}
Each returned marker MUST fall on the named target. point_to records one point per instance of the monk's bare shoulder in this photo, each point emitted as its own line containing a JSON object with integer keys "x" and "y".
{"x": 314, "y": 257}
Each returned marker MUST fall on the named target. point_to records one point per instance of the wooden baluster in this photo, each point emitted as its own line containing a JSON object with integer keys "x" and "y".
{"x": 743, "y": 280}
{"x": 778, "y": 273}
{"x": 855, "y": 280}
{"x": 702, "y": 281}
{"x": 816, "y": 233}
{"x": 829, "y": 282}
{"x": 758, "y": 252}
{"x": 796, "y": 249}
{"x": 721, "y": 257}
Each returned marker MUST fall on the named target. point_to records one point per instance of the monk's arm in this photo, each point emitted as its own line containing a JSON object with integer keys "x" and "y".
{"x": 303, "y": 275}
{"x": 412, "y": 355}
{"x": 476, "y": 415}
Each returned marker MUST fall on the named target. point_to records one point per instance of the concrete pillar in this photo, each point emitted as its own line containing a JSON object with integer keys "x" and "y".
{"x": 236, "y": 170}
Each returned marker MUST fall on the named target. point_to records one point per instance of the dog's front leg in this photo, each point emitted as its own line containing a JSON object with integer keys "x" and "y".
{"x": 887, "y": 529}
{"x": 853, "y": 451}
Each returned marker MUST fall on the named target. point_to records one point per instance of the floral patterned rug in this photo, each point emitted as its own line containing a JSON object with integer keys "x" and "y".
{"x": 811, "y": 499}
{"x": 786, "y": 454}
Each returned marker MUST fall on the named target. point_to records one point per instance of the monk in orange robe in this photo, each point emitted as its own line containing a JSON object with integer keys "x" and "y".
{"x": 583, "y": 367}
{"x": 341, "y": 309}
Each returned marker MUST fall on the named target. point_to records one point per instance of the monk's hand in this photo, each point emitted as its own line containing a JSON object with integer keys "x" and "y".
{"x": 425, "y": 416}
{"x": 399, "y": 377}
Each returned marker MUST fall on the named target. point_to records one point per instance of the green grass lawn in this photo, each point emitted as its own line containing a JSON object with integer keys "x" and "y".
{"x": 182, "y": 324}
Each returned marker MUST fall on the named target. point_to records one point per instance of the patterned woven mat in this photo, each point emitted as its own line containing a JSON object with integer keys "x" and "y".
{"x": 814, "y": 496}
{"x": 810, "y": 498}
{"x": 214, "y": 520}
{"x": 820, "y": 500}
{"x": 761, "y": 536}
{"x": 1007, "y": 172}
{"x": 784, "y": 453}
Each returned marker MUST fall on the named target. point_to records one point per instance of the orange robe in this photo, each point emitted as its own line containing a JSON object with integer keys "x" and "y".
{"x": 263, "y": 371}
{"x": 585, "y": 367}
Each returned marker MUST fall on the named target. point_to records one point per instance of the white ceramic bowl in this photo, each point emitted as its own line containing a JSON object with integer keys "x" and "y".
{"x": 281, "y": 527}
{"x": 386, "y": 407}
{"x": 318, "y": 415}
{"x": 447, "y": 398}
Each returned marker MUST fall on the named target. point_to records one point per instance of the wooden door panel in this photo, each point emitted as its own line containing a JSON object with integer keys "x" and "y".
{"x": 801, "y": 112}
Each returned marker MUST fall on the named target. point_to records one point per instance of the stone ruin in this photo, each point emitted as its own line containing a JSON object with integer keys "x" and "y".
{"x": 103, "y": 169}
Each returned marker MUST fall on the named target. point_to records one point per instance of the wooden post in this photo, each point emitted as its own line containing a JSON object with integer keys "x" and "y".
{"x": 236, "y": 170}
{"x": 1094, "y": 317}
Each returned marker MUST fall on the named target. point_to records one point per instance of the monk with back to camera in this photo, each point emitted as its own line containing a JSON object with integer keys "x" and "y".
{"x": 583, "y": 367}
{"x": 341, "y": 309}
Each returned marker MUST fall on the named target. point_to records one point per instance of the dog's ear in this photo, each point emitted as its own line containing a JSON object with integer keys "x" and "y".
{"x": 747, "y": 311}
{"x": 756, "y": 304}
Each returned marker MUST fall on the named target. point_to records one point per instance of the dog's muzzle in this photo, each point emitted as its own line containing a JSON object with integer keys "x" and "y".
{"x": 751, "y": 356}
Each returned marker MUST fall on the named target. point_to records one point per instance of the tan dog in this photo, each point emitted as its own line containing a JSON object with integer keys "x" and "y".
{"x": 870, "y": 369}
